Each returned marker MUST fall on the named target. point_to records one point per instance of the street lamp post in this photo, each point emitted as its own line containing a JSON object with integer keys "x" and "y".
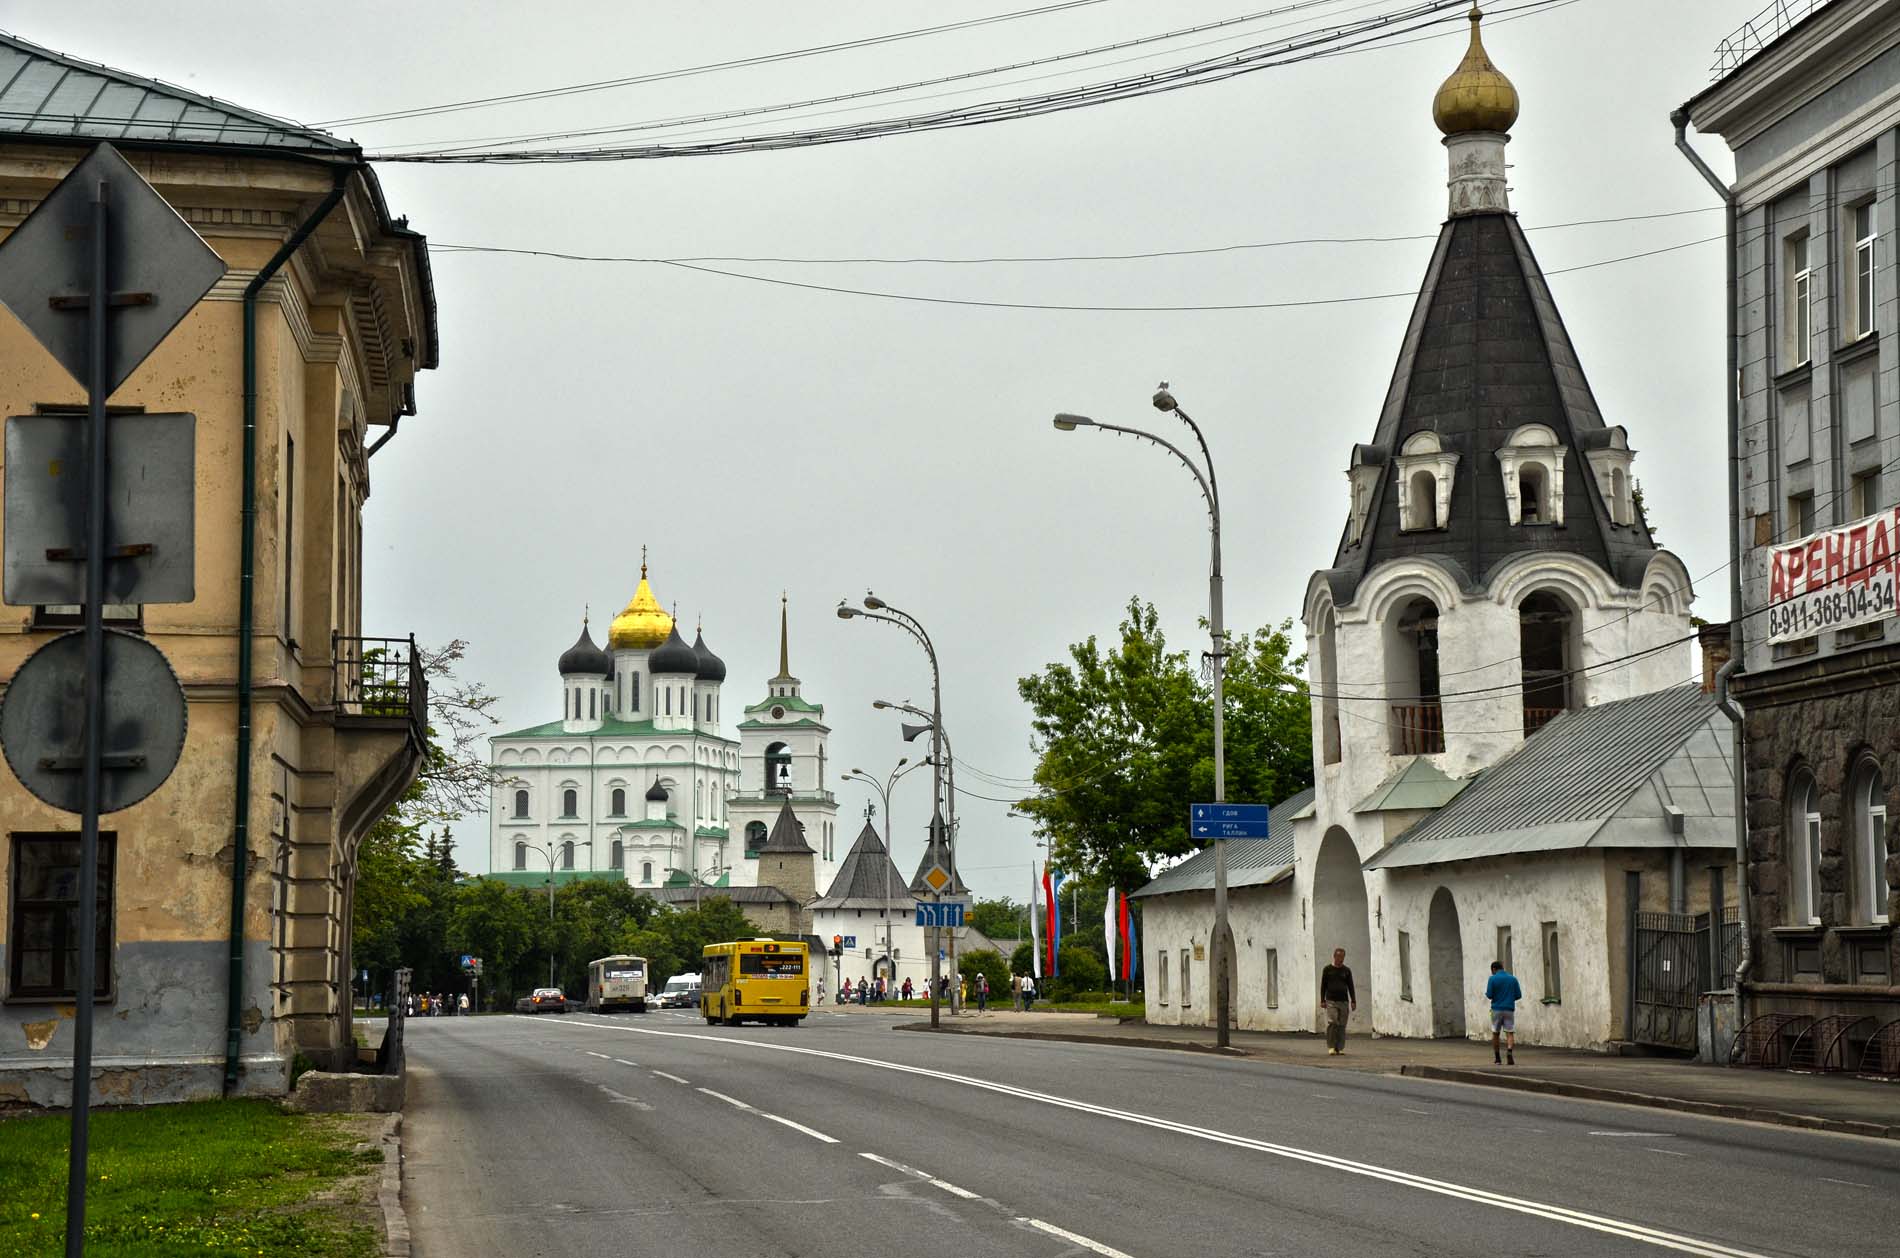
{"x": 547, "y": 850}
{"x": 876, "y": 608}
{"x": 1203, "y": 473}
{"x": 883, "y": 790}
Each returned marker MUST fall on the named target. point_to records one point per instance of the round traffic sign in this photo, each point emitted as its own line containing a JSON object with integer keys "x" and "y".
{"x": 42, "y": 720}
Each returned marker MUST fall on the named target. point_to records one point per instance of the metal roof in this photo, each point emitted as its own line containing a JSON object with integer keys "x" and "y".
{"x": 1250, "y": 862}
{"x": 1652, "y": 771}
{"x": 1416, "y": 784}
{"x": 788, "y": 834}
{"x": 49, "y": 94}
{"x": 867, "y": 878}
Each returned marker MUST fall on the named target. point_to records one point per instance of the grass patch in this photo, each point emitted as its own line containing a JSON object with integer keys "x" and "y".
{"x": 222, "y": 1178}
{"x": 1119, "y": 1009}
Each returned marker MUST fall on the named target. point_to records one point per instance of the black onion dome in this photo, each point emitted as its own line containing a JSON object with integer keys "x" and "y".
{"x": 674, "y": 656}
{"x": 711, "y": 667}
{"x": 584, "y": 657}
{"x": 656, "y": 791}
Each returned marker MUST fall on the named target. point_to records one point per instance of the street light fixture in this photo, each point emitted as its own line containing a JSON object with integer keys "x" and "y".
{"x": 876, "y": 608}
{"x": 1203, "y": 473}
{"x": 883, "y": 790}
{"x": 547, "y": 850}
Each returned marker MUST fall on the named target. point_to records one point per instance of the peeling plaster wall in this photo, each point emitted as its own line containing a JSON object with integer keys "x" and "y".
{"x": 1263, "y": 919}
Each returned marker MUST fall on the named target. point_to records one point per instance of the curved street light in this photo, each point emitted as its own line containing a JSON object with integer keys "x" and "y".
{"x": 547, "y": 850}
{"x": 883, "y": 790}
{"x": 1203, "y": 473}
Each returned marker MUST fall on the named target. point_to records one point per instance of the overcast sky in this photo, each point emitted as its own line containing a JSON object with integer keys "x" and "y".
{"x": 760, "y": 438}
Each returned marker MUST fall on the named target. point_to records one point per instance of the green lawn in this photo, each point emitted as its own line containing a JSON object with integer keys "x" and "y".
{"x": 208, "y": 1178}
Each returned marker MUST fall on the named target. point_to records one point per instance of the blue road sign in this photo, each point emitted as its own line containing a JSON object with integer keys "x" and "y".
{"x": 1227, "y": 821}
{"x": 850, "y": 941}
{"x": 949, "y": 913}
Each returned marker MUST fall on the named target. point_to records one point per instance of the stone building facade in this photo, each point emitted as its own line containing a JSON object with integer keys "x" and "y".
{"x": 1813, "y": 121}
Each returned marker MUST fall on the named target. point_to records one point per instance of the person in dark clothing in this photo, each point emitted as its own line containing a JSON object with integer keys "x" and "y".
{"x": 1338, "y": 999}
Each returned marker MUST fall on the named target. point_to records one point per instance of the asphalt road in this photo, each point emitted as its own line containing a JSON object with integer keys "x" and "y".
{"x": 656, "y": 1134}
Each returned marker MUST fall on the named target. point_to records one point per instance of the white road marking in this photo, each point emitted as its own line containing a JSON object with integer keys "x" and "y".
{"x": 896, "y": 1166}
{"x": 1636, "y": 1135}
{"x": 621, "y": 1098}
{"x": 602, "y": 1056}
{"x": 721, "y": 1096}
{"x": 674, "y": 1078}
{"x": 624, "y": 1062}
{"x": 1074, "y": 1239}
{"x": 1415, "y": 1111}
{"x": 926, "y": 1176}
{"x": 1674, "y": 1153}
{"x": 1850, "y": 1183}
{"x": 815, "y": 1135}
{"x": 1447, "y": 1188}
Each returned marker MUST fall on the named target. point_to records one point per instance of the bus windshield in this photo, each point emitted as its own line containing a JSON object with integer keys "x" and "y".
{"x": 772, "y": 964}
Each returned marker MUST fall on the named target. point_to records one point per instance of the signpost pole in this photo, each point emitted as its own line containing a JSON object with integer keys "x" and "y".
{"x": 98, "y": 301}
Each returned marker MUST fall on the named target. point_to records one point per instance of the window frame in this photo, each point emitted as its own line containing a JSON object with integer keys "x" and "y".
{"x": 1868, "y": 799}
{"x": 1273, "y": 978}
{"x": 1552, "y": 941}
{"x": 522, "y": 805}
{"x": 521, "y": 854}
{"x": 570, "y": 803}
{"x": 567, "y": 854}
{"x": 1187, "y": 982}
{"x": 1505, "y": 947}
{"x": 1802, "y": 846}
{"x": 1405, "y": 965}
{"x": 1862, "y": 269}
{"x": 106, "y": 974}
{"x": 1161, "y": 994}
{"x": 1800, "y": 300}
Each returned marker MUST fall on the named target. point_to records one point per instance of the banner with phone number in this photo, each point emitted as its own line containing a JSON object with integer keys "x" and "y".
{"x": 1834, "y": 579}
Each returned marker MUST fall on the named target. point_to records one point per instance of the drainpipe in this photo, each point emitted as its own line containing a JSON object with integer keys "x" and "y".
{"x": 1737, "y": 642}
{"x": 247, "y": 581}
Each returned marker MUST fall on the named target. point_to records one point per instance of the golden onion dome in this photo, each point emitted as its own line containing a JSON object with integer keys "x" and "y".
{"x": 643, "y": 624}
{"x": 1477, "y": 96}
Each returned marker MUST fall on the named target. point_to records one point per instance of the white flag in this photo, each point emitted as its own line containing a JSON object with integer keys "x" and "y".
{"x": 1036, "y": 911}
{"x": 1110, "y": 921}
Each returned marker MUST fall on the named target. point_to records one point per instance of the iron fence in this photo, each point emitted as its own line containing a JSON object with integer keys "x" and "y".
{"x": 1776, "y": 19}
{"x": 379, "y": 677}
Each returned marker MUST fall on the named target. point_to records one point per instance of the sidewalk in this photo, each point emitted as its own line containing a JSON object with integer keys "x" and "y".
{"x": 1839, "y": 1103}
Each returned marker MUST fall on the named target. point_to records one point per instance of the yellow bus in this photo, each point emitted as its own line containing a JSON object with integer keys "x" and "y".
{"x": 764, "y": 980}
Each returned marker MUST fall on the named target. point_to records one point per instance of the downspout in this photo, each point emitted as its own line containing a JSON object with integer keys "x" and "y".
{"x": 247, "y": 616}
{"x": 1737, "y": 621}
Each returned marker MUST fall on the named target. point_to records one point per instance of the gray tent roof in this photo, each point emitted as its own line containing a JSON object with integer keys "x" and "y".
{"x": 51, "y": 95}
{"x": 1250, "y": 862}
{"x": 867, "y": 877}
{"x": 788, "y": 833}
{"x": 1653, "y": 771}
{"x": 937, "y": 852}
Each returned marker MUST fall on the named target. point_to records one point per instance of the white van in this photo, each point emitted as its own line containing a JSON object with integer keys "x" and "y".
{"x": 681, "y": 992}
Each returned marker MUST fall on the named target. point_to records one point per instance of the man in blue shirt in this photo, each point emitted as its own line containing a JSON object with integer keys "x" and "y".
{"x": 1503, "y": 993}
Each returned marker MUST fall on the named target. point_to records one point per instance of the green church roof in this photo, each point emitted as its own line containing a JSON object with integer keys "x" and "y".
{"x": 612, "y": 728}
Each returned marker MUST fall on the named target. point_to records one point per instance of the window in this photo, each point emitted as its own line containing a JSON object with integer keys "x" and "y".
{"x": 1800, "y": 516}
{"x": 1185, "y": 989}
{"x": 521, "y": 855}
{"x": 43, "y": 924}
{"x": 1869, "y": 798}
{"x": 567, "y": 854}
{"x": 754, "y": 837}
{"x": 617, "y": 802}
{"x": 1161, "y": 972}
{"x": 1804, "y": 848}
{"x": 1273, "y": 978}
{"x": 570, "y": 802}
{"x": 1405, "y": 966}
{"x": 1530, "y": 494}
{"x": 1411, "y": 680}
{"x": 646, "y": 871}
{"x": 1547, "y": 648}
{"x": 290, "y": 536}
{"x": 1553, "y": 965}
{"x": 1863, "y": 220}
{"x": 1329, "y": 686}
{"x": 1864, "y": 494}
{"x": 695, "y": 705}
{"x": 1800, "y": 302}
{"x": 1423, "y": 496}
{"x": 1504, "y": 948}
{"x": 669, "y": 700}
{"x": 521, "y": 805}
{"x": 617, "y": 855}
{"x": 633, "y": 692}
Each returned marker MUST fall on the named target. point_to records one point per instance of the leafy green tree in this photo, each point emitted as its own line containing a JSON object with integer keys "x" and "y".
{"x": 507, "y": 928}
{"x": 1023, "y": 960}
{"x": 989, "y": 962}
{"x": 672, "y": 942}
{"x": 591, "y": 917}
{"x": 1125, "y": 739}
{"x": 998, "y": 919}
{"x": 1082, "y": 971}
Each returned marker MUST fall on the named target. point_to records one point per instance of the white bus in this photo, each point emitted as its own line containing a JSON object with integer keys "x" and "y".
{"x": 617, "y": 983}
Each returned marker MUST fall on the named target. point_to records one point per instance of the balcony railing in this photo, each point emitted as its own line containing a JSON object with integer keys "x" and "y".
{"x": 1536, "y": 718}
{"x": 1418, "y": 729}
{"x": 379, "y": 677}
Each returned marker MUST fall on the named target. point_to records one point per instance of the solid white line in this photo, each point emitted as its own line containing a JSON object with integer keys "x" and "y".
{"x": 1074, "y": 1239}
{"x": 674, "y": 1078}
{"x": 949, "y": 1187}
{"x": 926, "y": 1176}
{"x": 1671, "y": 1152}
{"x": 1415, "y": 1111}
{"x": 624, "y": 1062}
{"x": 896, "y": 1166}
{"x": 1446, "y": 1188}
{"x": 1635, "y": 1135}
{"x": 1829, "y": 1180}
{"x": 815, "y": 1135}
{"x": 721, "y": 1096}
{"x": 602, "y": 1056}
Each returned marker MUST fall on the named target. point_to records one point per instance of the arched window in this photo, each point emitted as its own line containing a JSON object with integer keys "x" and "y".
{"x": 1620, "y": 496}
{"x": 754, "y": 837}
{"x": 1804, "y": 848}
{"x": 1533, "y": 494}
{"x": 1423, "y": 493}
{"x": 1547, "y": 647}
{"x": 592, "y": 699}
{"x": 1411, "y": 679}
{"x": 617, "y": 855}
{"x": 567, "y": 854}
{"x": 695, "y": 705}
{"x": 1869, "y": 801}
{"x": 617, "y": 802}
{"x": 1329, "y": 687}
{"x": 633, "y": 692}
{"x": 570, "y": 802}
{"x": 521, "y": 804}
{"x": 646, "y": 871}
{"x": 669, "y": 700}
{"x": 778, "y": 768}
{"x": 521, "y": 855}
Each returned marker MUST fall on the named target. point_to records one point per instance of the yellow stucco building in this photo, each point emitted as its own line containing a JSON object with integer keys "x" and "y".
{"x": 329, "y": 300}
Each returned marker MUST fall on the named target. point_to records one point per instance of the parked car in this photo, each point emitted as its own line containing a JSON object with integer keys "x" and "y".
{"x": 547, "y": 1000}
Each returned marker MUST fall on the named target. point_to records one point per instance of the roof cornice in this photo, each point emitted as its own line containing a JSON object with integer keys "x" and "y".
{"x": 1819, "y": 52}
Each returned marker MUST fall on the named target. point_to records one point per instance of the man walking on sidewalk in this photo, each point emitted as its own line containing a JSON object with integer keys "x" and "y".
{"x": 1337, "y": 996}
{"x": 1503, "y": 992}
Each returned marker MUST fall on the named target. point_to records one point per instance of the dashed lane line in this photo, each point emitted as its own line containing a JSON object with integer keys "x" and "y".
{"x": 1828, "y": 1179}
{"x": 1075, "y": 1238}
{"x": 674, "y": 1078}
{"x": 799, "y": 1127}
{"x": 953, "y": 1189}
{"x": 1607, "y": 1225}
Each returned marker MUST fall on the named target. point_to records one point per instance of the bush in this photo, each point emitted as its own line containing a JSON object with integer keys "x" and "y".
{"x": 1081, "y": 971}
{"x": 990, "y": 963}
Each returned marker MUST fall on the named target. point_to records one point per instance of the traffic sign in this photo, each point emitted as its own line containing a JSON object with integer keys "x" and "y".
{"x": 159, "y": 266}
{"x": 472, "y": 964}
{"x": 937, "y": 878}
{"x": 1227, "y": 821}
{"x": 850, "y": 941}
{"x": 946, "y": 913}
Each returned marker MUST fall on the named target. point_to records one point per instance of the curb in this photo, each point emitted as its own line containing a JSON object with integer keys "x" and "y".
{"x": 1706, "y": 1109}
{"x": 389, "y": 1193}
{"x": 1067, "y": 1037}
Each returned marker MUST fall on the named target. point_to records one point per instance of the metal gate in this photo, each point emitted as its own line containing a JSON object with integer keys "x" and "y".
{"x": 1665, "y": 960}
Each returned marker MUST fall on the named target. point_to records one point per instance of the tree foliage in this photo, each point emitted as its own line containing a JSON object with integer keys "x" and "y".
{"x": 998, "y": 919}
{"x": 986, "y": 961}
{"x": 1125, "y": 740}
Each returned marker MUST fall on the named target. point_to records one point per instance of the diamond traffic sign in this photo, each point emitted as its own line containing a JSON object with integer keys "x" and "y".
{"x": 159, "y": 266}
{"x": 937, "y": 878}
{"x": 1227, "y": 821}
